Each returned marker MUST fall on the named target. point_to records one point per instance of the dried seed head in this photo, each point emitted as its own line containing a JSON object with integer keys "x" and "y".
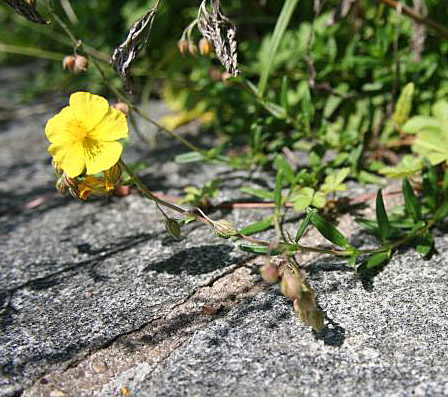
{"x": 225, "y": 229}
{"x": 27, "y": 8}
{"x": 269, "y": 272}
{"x": 81, "y": 64}
{"x": 192, "y": 48}
{"x": 172, "y": 226}
{"x": 68, "y": 63}
{"x": 205, "y": 46}
{"x": 217, "y": 28}
{"x": 122, "y": 107}
{"x": 125, "y": 54}
{"x": 291, "y": 284}
{"x": 182, "y": 45}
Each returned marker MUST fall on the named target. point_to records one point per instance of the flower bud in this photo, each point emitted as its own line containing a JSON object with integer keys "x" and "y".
{"x": 269, "y": 272}
{"x": 182, "y": 45}
{"x": 122, "y": 107}
{"x": 225, "y": 229}
{"x": 205, "y": 46}
{"x": 81, "y": 64}
{"x": 192, "y": 48}
{"x": 112, "y": 177}
{"x": 93, "y": 185}
{"x": 291, "y": 284}
{"x": 172, "y": 226}
{"x": 68, "y": 63}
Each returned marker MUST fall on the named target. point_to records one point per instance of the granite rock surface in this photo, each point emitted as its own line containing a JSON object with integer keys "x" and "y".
{"x": 97, "y": 300}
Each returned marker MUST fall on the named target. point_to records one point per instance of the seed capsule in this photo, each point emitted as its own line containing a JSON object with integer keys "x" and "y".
{"x": 122, "y": 107}
{"x": 192, "y": 48}
{"x": 269, "y": 272}
{"x": 68, "y": 63}
{"x": 205, "y": 47}
{"x": 81, "y": 64}
{"x": 182, "y": 45}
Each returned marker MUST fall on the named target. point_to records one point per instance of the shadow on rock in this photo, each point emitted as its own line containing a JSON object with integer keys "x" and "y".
{"x": 332, "y": 335}
{"x": 195, "y": 261}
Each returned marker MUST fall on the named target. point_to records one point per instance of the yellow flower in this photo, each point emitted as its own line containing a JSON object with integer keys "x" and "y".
{"x": 84, "y": 134}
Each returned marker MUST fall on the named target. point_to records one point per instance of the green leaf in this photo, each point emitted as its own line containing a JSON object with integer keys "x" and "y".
{"x": 319, "y": 200}
{"x": 283, "y": 165}
{"x": 278, "y": 190}
{"x": 262, "y": 249}
{"x": 425, "y": 244}
{"x": 190, "y": 157}
{"x": 353, "y": 258}
{"x": 417, "y": 124}
{"x": 440, "y": 110}
{"x": 303, "y": 199}
{"x": 304, "y": 225}
{"x": 261, "y": 193}
{"x": 432, "y": 144}
{"x": 408, "y": 166}
{"x": 374, "y": 260}
{"x": 257, "y": 227}
{"x": 279, "y": 31}
{"x": 404, "y": 105}
{"x": 441, "y": 212}
{"x": 333, "y": 181}
{"x": 284, "y": 94}
{"x": 411, "y": 202}
{"x": 330, "y": 232}
{"x": 381, "y": 217}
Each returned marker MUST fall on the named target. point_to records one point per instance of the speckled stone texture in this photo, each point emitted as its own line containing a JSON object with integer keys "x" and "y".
{"x": 97, "y": 300}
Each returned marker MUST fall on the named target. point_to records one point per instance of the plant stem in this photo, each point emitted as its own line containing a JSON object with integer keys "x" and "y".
{"x": 417, "y": 17}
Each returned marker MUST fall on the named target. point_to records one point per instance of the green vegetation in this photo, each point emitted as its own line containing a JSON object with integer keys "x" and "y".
{"x": 359, "y": 88}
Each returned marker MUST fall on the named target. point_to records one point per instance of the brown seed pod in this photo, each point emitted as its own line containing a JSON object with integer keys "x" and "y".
{"x": 182, "y": 45}
{"x": 205, "y": 46}
{"x": 269, "y": 272}
{"x": 68, "y": 62}
{"x": 81, "y": 64}
{"x": 122, "y": 107}
{"x": 192, "y": 48}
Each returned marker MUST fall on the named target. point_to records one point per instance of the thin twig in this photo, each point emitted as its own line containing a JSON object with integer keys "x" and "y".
{"x": 418, "y": 18}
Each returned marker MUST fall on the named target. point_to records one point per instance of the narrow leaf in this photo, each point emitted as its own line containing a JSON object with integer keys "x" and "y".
{"x": 282, "y": 164}
{"x": 261, "y": 249}
{"x": 278, "y": 190}
{"x": 381, "y": 217}
{"x": 261, "y": 193}
{"x": 374, "y": 261}
{"x": 279, "y": 31}
{"x": 257, "y": 227}
{"x": 425, "y": 244}
{"x": 329, "y": 231}
{"x": 189, "y": 157}
{"x": 284, "y": 94}
{"x": 304, "y": 225}
{"x": 411, "y": 202}
{"x": 441, "y": 212}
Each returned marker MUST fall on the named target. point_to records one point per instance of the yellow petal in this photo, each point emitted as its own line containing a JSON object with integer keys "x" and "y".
{"x": 101, "y": 156}
{"x": 69, "y": 157}
{"x": 56, "y": 129}
{"x": 113, "y": 126}
{"x": 88, "y": 108}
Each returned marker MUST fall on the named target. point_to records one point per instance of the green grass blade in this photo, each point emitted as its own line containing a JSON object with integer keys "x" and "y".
{"x": 279, "y": 31}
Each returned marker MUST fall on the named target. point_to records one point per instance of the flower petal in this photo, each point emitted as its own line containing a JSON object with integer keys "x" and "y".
{"x": 57, "y": 129}
{"x": 70, "y": 158}
{"x": 88, "y": 108}
{"x": 101, "y": 156}
{"x": 113, "y": 126}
